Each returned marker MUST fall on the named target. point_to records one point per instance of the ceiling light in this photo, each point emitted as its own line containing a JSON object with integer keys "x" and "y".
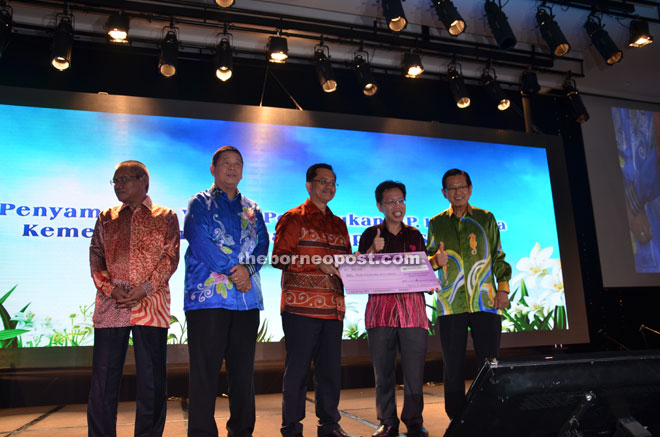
{"x": 499, "y": 25}
{"x": 457, "y": 86}
{"x": 223, "y": 60}
{"x": 224, "y": 3}
{"x": 278, "y": 51}
{"x": 579, "y": 110}
{"x": 488, "y": 80}
{"x": 324, "y": 69}
{"x": 5, "y": 27}
{"x": 639, "y": 34}
{"x": 169, "y": 53}
{"x": 394, "y": 15}
{"x": 412, "y": 65}
{"x": 602, "y": 40}
{"x": 449, "y": 16}
{"x": 364, "y": 75}
{"x": 62, "y": 43}
{"x": 117, "y": 27}
{"x": 551, "y": 32}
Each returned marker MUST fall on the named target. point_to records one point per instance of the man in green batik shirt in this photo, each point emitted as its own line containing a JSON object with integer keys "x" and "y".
{"x": 464, "y": 246}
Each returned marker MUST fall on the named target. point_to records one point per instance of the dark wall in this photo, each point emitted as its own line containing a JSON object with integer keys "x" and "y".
{"x": 614, "y": 315}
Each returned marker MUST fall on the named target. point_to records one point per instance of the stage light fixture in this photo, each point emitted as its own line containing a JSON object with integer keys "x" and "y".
{"x": 529, "y": 83}
{"x": 412, "y": 65}
{"x": 117, "y": 27}
{"x": 278, "y": 50}
{"x": 5, "y": 27}
{"x": 169, "y": 52}
{"x": 449, "y": 16}
{"x": 499, "y": 25}
{"x": 324, "y": 69}
{"x": 224, "y": 60}
{"x": 579, "y": 110}
{"x": 60, "y": 54}
{"x": 224, "y": 3}
{"x": 394, "y": 15}
{"x": 551, "y": 32}
{"x": 494, "y": 90}
{"x": 602, "y": 40}
{"x": 639, "y": 33}
{"x": 363, "y": 72}
{"x": 457, "y": 85}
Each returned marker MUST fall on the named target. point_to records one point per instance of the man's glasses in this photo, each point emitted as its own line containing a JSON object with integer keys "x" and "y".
{"x": 122, "y": 180}
{"x": 325, "y": 182}
{"x": 455, "y": 189}
{"x": 394, "y": 202}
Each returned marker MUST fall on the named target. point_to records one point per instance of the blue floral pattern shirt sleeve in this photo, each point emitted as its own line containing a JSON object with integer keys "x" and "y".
{"x": 221, "y": 234}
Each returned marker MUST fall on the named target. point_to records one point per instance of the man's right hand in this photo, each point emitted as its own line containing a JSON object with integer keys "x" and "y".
{"x": 441, "y": 258}
{"x": 378, "y": 244}
{"x": 120, "y": 296}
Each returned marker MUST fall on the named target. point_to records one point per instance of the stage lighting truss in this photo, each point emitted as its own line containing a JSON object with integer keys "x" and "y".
{"x": 117, "y": 28}
{"x": 449, "y": 16}
{"x": 457, "y": 85}
{"x": 60, "y": 55}
{"x": 278, "y": 50}
{"x": 639, "y": 33}
{"x": 493, "y": 88}
{"x": 394, "y": 15}
{"x": 169, "y": 51}
{"x": 550, "y": 31}
{"x": 412, "y": 65}
{"x": 602, "y": 40}
{"x": 5, "y": 27}
{"x": 499, "y": 25}
{"x": 324, "y": 69}
{"x": 363, "y": 72}
{"x": 224, "y": 62}
{"x": 571, "y": 92}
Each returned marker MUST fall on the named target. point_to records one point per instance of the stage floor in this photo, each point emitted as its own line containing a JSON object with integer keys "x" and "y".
{"x": 357, "y": 407}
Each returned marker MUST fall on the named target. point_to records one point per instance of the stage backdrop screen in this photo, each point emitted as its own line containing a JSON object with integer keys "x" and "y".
{"x": 60, "y": 151}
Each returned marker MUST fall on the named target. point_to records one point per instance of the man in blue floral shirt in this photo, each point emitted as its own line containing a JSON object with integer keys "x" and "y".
{"x": 228, "y": 242}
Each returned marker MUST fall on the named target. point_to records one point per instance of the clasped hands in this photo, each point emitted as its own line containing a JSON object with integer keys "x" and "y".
{"x": 128, "y": 298}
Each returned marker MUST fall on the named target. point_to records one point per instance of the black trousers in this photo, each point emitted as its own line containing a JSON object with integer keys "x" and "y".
{"x": 411, "y": 344}
{"x": 309, "y": 339}
{"x": 213, "y": 335}
{"x": 150, "y": 348}
{"x": 486, "y": 329}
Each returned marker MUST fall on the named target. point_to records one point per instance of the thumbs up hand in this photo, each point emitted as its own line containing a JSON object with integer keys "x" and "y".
{"x": 441, "y": 258}
{"x": 378, "y": 244}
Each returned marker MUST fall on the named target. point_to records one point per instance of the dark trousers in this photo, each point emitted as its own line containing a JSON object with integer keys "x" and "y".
{"x": 309, "y": 339}
{"x": 150, "y": 348}
{"x": 213, "y": 335}
{"x": 486, "y": 329}
{"x": 411, "y": 344}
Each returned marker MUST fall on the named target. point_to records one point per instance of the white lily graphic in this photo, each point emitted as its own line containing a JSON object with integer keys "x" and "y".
{"x": 537, "y": 265}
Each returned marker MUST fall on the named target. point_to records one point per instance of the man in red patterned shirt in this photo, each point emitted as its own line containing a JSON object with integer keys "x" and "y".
{"x": 312, "y": 306}
{"x": 396, "y": 321}
{"x": 134, "y": 251}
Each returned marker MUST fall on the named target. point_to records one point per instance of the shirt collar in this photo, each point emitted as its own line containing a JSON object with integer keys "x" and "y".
{"x": 216, "y": 192}
{"x": 146, "y": 203}
{"x": 311, "y": 208}
{"x": 451, "y": 210}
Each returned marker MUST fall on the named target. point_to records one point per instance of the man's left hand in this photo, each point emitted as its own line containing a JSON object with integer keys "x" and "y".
{"x": 241, "y": 278}
{"x": 501, "y": 300}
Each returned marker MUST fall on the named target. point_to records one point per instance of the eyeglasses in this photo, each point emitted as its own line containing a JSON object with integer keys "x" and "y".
{"x": 455, "y": 189}
{"x": 325, "y": 182}
{"x": 394, "y": 202}
{"x": 122, "y": 180}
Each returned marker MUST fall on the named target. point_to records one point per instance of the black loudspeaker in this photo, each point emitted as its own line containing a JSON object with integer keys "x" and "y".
{"x": 604, "y": 394}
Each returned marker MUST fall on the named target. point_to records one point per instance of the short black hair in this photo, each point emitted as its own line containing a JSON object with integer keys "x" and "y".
{"x": 138, "y": 169}
{"x": 456, "y": 172}
{"x": 388, "y": 185}
{"x": 311, "y": 171}
{"x": 224, "y": 149}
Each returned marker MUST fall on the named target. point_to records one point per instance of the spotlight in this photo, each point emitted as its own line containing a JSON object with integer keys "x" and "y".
{"x": 448, "y": 14}
{"x": 457, "y": 85}
{"x": 324, "y": 69}
{"x": 117, "y": 27}
{"x": 223, "y": 60}
{"x": 394, "y": 15}
{"x": 494, "y": 90}
{"x": 602, "y": 40}
{"x": 224, "y": 3}
{"x": 529, "y": 83}
{"x": 277, "y": 49}
{"x": 579, "y": 110}
{"x": 551, "y": 32}
{"x": 62, "y": 43}
{"x": 5, "y": 27}
{"x": 169, "y": 53}
{"x": 639, "y": 34}
{"x": 499, "y": 25}
{"x": 412, "y": 65}
{"x": 364, "y": 75}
